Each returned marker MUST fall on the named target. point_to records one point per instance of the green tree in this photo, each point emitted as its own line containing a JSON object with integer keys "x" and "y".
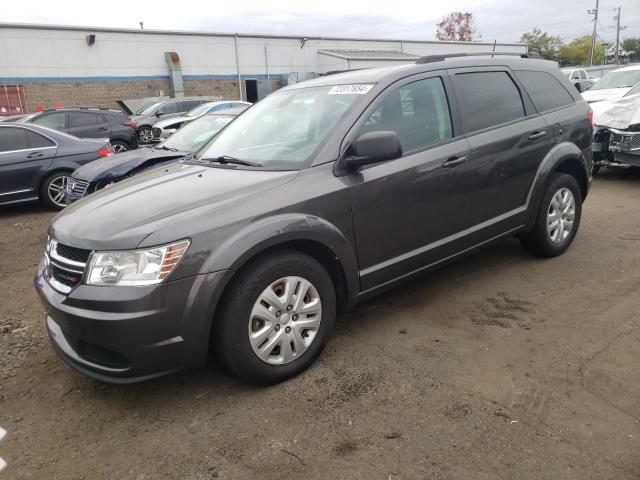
{"x": 541, "y": 42}
{"x": 577, "y": 52}
{"x": 632, "y": 45}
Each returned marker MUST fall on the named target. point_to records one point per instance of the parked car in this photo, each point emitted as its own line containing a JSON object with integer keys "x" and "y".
{"x": 613, "y": 85}
{"x": 35, "y": 162}
{"x": 617, "y": 136}
{"x": 579, "y": 78}
{"x": 149, "y": 115}
{"x": 100, "y": 174}
{"x": 322, "y": 194}
{"x": 164, "y": 128}
{"x": 90, "y": 122}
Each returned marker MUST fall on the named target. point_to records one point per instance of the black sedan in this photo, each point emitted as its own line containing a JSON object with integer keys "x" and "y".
{"x": 35, "y": 162}
{"x": 185, "y": 141}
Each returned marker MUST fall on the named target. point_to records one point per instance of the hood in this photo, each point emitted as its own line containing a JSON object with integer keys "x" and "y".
{"x": 121, "y": 216}
{"x": 606, "y": 94}
{"x": 620, "y": 114}
{"x": 115, "y": 166}
{"x": 173, "y": 121}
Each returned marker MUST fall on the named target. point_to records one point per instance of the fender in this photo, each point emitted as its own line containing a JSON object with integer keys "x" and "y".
{"x": 275, "y": 230}
{"x": 558, "y": 154}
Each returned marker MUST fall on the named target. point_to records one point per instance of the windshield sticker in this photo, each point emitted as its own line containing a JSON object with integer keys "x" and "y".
{"x": 350, "y": 89}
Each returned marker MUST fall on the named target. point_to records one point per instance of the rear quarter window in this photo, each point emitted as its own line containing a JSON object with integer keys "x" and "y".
{"x": 546, "y": 92}
{"x": 487, "y": 99}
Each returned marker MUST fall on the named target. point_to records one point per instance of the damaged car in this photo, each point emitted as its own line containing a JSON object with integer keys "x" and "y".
{"x": 90, "y": 178}
{"x": 616, "y": 140}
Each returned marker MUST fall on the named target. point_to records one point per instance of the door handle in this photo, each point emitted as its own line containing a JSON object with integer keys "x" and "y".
{"x": 454, "y": 162}
{"x": 35, "y": 155}
{"x": 537, "y": 135}
{"x": 102, "y": 129}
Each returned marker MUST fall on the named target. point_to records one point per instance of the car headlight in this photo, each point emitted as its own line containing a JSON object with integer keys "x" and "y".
{"x": 135, "y": 267}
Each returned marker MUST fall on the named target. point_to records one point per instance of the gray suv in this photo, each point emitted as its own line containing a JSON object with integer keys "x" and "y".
{"x": 322, "y": 194}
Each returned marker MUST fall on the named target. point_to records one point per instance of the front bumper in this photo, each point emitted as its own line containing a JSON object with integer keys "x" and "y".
{"x": 130, "y": 334}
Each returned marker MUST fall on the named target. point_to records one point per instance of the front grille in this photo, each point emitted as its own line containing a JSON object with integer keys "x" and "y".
{"x": 77, "y": 188}
{"x": 101, "y": 356}
{"x": 624, "y": 142}
{"x": 73, "y": 253}
{"x": 65, "y": 277}
{"x": 65, "y": 265}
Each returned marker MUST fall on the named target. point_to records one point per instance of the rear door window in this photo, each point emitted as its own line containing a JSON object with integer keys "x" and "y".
{"x": 546, "y": 92}
{"x": 418, "y": 112}
{"x": 189, "y": 104}
{"x": 169, "y": 108}
{"x": 13, "y": 138}
{"x": 583, "y": 75}
{"x": 82, "y": 119}
{"x": 35, "y": 140}
{"x": 51, "y": 120}
{"x": 487, "y": 99}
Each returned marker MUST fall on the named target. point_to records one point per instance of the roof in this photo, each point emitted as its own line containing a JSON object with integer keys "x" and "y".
{"x": 368, "y": 54}
{"x": 87, "y": 28}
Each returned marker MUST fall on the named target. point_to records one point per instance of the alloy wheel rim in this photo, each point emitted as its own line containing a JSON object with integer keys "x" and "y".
{"x": 56, "y": 190}
{"x": 561, "y": 215}
{"x": 285, "y": 320}
{"x": 146, "y": 135}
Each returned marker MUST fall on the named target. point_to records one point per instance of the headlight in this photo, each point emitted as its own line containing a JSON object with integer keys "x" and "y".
{"x": 135, "y": 267}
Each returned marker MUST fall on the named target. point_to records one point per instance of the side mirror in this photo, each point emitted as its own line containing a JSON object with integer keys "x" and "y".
{"x": 374, "y": 147}
{"x": 579, "y": 87}
{"x": 159, "y": 113}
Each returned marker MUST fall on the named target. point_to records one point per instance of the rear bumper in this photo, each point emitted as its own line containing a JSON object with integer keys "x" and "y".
{"x": 130, "y": 334}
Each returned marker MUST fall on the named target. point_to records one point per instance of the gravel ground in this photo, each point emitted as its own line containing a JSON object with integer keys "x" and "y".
{"x": 502, "y": 366}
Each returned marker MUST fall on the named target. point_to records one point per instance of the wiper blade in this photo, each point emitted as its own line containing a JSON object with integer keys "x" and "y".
{"x": 225, "y": 159}
{"x": 164, "y": 147}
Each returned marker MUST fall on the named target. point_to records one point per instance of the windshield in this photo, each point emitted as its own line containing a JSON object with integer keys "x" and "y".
{"x": 284, "y": 129}
{"x": 618, "y": 79}
{"x": 195, "y": 134}
{"x": 146, "y": 110}
{"x": 634, "y": 91}
{"x": 199, "y": 110}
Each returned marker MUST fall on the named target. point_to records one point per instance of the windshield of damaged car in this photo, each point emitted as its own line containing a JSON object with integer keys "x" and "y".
{"x": 199, "y": 110}
{"x": 618, "y": 79}
{"x": 284, "y": 129}
{"x": 148, "y": 109}
{"x": 195, "y": 134}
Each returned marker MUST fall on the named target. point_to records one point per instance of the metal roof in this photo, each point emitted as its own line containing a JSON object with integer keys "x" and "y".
{"x": 368, "y": 54}
{"x": 88, "y": 28}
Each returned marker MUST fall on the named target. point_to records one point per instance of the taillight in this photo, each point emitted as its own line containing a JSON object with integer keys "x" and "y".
{"x": 105, "y": 152}
{"x": 131, "y": 123}
{"x": 590, "y": 116}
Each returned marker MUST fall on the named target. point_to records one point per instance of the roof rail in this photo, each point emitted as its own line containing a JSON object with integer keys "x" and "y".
{"x": 439, "y": 58}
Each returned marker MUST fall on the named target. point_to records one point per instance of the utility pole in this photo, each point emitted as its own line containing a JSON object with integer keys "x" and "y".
{"x": 618, "y": 37}
{"x": 593, "y": 36}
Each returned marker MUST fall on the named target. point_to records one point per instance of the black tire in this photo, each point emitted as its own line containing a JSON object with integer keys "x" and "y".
{"x": 45, "y": 194}
{"x": 145, "y": 134}
{"x": 538, "y": 241}
{"x": 231, "y": 329}
{"x": 119, "y": 146}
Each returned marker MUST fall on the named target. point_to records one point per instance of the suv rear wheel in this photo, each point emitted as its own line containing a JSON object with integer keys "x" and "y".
{"x": 558, "y": 219}
{"x": 276, "y": 317}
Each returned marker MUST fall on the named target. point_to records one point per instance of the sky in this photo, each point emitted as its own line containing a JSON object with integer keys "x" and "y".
{"x": 501, "y": 20}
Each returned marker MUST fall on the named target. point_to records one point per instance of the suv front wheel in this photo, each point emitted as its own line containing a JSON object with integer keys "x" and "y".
{"x": 558, "y": 218}
{"x": 276, "y": 317}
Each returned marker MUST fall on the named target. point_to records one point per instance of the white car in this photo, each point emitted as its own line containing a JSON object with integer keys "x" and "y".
{"x": 599, "y": 108}
{"x": 614, "y": 85}
{"x": 164, "y": 128}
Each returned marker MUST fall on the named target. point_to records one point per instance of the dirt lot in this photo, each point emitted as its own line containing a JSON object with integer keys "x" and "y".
{"x": 503, "y": 366}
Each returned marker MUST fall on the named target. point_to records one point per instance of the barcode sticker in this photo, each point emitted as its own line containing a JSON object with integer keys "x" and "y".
{"x": 359, "y": 89}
